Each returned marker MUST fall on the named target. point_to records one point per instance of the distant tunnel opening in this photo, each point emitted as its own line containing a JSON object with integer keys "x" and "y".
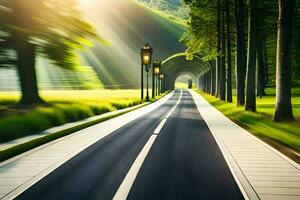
{"x": 185, "y": 81}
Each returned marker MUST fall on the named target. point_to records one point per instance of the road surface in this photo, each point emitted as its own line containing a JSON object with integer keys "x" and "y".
{"x": 168, "y": 153}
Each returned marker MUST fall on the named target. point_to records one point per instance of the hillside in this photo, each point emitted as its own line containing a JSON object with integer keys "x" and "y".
{"x": 176, "y": 8}
{"x": 126, "y": 25}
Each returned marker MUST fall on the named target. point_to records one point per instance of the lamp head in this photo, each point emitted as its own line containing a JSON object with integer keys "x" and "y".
{"x": 146, "y": 54}
{"x": 157, "y": 67}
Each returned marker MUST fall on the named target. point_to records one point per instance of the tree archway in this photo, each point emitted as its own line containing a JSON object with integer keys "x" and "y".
{"x": 178, "y": 64}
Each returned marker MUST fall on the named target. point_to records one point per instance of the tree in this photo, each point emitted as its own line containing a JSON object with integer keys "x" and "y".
{"x": 218, "y": 60}
{"x": 260, "y": 91}
{"x": 228, "y": 36}
{"x": 213, "y": 76}
{"x": 204, "y": 36}
{"x": 223, "y": 58}
{"x": 261, "y": 54}
{"x": 49, "y": 28}
{"x": 251, "y": 61}
{"x": 283, "y": 110}
{"x": 296, "y": 46}
{"x": 241, "y": 59}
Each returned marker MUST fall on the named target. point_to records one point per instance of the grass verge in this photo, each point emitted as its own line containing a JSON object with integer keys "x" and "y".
{"x": 65, "y": 106}
{"x": 283, "y": 136}
{"x": 21, "y": 148}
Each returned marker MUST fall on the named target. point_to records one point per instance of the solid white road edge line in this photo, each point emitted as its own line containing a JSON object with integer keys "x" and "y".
{"x": 124, "y": 189}
{"x": 128, "y": 181}
{"x": 227, "y": 159}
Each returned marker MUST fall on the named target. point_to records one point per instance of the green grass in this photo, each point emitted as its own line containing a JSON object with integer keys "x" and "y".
{"x": 181, "y": 85}
{"x": 21, "y": 148}
{"x": 65, "y": 106}
{"x": 117, "y": 99}
{"x": 261, "y": 123}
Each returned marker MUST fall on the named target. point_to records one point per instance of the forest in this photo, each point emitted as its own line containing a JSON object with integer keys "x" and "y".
{"x": 241, "y": 39}
{"x": 251, "y": 46}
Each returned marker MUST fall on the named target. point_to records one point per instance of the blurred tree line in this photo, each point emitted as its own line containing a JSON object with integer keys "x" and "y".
{"x": 260, "y": 38}
{"x": 53, "y": 29}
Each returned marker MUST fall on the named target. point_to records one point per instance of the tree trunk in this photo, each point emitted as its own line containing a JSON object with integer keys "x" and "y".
{"x": 229, "y": 81}
{"x": 296, "y": 44}
{"x": 209, "y": 82}
{"x": 26, "y": 70}
{"x": 201, "y": 83}
{"x": 283, "y": 109}
{"x": 213, "y": 78}
{"x": 260, "y": 70}
{"x": 223, "y": 62}
{"x": 240, "y": 52}
{"x": 251, "y": 63}
{"x": 265, "y": 55}
{"x": 218, "y": 60}
{"x": 204, "y": 83}
{"x": 260, "y": 87}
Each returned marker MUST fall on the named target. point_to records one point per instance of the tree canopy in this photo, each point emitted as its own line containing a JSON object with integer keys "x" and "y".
{"x": 54, "y": 27}
{"x": 271, "y": 39}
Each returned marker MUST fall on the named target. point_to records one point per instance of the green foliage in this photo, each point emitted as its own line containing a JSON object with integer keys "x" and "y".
{"x": 173, "y": 7}
{"x": 66, "y": 106}
{"x": 268, "y": 11}
{"x": 201, "y": 35}
{"x": 21, "y": 148}
{"x": 54, "y": 27}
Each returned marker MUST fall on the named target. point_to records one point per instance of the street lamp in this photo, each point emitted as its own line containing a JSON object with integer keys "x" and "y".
{"x": 156, "y": 70}
{"x": 162, "y": 77}
{"x": 146, "y": 56}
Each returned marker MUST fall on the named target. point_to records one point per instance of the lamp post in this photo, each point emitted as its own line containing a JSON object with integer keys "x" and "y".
{"x": 146, "y": 56}
{"x": 155, "y": 73}
{"x": 162, "y": 77}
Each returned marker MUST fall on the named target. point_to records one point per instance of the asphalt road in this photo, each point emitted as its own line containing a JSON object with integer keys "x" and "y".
{"x": 184, "y": 162}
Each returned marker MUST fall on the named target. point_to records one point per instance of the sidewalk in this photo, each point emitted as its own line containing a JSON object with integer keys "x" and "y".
{"x": 21, "y": 172}
{"x": 261, "y": 171}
